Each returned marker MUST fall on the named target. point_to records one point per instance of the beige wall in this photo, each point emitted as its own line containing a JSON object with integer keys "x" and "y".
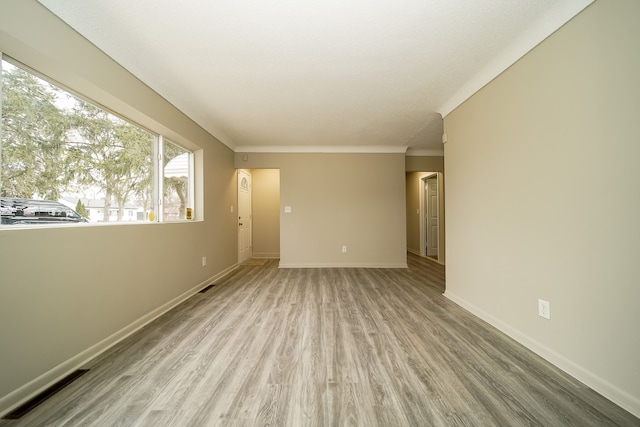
{"x": 67, "y": 293}
{"x": 542, "y": 186}
{"x": 424, "y": 163}
{"x": 265, "y": 197}
{"x": 357, "y": 200}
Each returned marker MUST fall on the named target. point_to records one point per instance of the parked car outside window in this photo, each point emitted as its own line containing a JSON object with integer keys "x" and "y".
{"x": 31, "y": 211}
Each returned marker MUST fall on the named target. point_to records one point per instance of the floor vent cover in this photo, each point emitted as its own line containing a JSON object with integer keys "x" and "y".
{"x": 206, "y": 289}
{"x": 22, "y": 410}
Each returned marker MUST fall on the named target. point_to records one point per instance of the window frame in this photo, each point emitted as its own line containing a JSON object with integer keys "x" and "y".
{"x": 159, "y": 166}
{"x": 159, "y": 140}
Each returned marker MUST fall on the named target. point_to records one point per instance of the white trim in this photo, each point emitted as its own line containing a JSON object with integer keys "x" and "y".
{"x": 328, "y": 265}
{"x": 600, "y": 385}
{"x": 559, "y": 14}
{"x": 321, "y": 149}
{"x": 267, "y": 255}
{"x": 28, "y": 391}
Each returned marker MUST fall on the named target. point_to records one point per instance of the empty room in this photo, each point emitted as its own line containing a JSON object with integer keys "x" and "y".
{"x": 319, "y": 213}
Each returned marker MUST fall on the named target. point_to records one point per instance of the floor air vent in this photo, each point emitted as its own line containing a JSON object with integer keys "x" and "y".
{"x": 22, "y": 410}
{"x": 206, "y": 289}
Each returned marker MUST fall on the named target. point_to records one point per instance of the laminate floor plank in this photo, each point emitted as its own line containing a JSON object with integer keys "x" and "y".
{"x": 323, "y": 347}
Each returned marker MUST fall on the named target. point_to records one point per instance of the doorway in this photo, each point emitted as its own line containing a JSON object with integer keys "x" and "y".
{"x": 244, "y": 216}
{"x": 431, "y": 216}
{"x": 259, "y": 213}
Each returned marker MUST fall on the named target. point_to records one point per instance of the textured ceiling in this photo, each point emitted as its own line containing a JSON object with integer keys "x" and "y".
{"x": 296, "y": 75}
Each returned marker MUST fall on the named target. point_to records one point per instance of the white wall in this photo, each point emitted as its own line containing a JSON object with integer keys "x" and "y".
{"x": 67, "y": 293}
{"x": 542, "y": 200}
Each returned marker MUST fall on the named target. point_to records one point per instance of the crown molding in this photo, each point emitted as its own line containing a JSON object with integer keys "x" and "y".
{"x": 321, "y": 149}
{"x": 559, "y": 15}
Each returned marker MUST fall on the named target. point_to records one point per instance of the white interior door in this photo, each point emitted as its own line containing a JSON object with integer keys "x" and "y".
{"x": 432, "y": 216}
{"x": 244, "y": 215}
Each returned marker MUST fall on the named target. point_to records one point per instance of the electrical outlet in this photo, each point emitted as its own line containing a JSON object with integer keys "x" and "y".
{"x": 544, "y": 310}
{"x": 344, "y": 249}
{"x": 204, "y": 261}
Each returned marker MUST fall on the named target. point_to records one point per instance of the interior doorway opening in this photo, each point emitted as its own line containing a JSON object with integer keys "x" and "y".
{"x": 263, "y": 215}
{"x": 245, "y": 219}
{"x": 431, "y": 216}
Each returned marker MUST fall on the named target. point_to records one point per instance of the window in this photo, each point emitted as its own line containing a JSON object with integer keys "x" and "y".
{"x": 57, "y": 147}
{"x": 177, "y": 172}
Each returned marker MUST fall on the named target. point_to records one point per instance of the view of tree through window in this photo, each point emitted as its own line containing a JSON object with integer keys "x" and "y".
{"x": 57, "y": 147}
{"x": 177, "y": 170}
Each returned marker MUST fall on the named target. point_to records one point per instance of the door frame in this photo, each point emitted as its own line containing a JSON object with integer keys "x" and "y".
{"x": 423, "y": 214}
{"x": 238, "y": 182}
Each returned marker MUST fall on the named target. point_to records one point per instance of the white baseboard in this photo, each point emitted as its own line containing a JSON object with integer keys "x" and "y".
{"x": 28, "y": 391}
{"x": 356, "y": 265}
{"x": 413, "y": 251}
{"x": 605, "y": 388}
{"x": 269, "y": 255}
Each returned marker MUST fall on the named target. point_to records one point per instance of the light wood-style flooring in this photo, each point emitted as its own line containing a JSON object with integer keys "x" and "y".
{"x": 323, "y": 347}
